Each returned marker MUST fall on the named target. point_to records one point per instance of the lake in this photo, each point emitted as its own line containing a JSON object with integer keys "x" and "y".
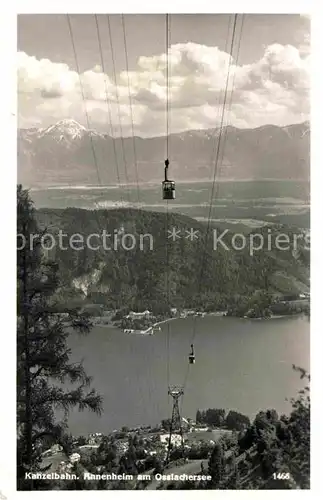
{"x": 243, "y": 365}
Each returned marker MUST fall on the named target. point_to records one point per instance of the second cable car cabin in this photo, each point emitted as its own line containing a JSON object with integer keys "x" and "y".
{"x": 191, "y": 356}
{"x": 168, "y": 186}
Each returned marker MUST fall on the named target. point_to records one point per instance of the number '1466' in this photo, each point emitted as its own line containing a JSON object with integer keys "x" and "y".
{"x": 281, "y": 475}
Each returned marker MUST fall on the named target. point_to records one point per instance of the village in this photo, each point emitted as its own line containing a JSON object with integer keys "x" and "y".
{"x": 151, "y": 447}
{"x": 145, "y": 322}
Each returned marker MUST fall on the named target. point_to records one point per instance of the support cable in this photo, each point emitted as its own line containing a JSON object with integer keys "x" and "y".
{"x": 131, "y": 110}
{"x": 108, "y": 101}
{"x": 217, "y": 155}
{"x": 118, "y": 106}
{"x": 85, "y": 109}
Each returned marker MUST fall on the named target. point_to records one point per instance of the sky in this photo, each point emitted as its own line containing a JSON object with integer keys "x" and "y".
{"x": 267, "y": 75}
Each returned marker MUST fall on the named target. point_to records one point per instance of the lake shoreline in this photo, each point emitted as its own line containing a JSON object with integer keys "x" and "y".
{"x": 221, "y": 314}
{"x": 109, "y": 325}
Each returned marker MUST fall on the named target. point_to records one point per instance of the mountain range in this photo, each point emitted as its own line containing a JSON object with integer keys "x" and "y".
{"x": 67, "y": 153}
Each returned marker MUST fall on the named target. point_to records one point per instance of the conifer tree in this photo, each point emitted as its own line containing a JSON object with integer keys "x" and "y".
{"x": 217, "y": 467}
{"x": 233, "y": 482}
{"x": 43, "y": 356}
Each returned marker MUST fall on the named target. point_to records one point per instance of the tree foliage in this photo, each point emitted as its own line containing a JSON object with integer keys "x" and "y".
{"x": 44, "y": 371}
{"x": 196, "y": 274}
{"x": 217, "y": 467}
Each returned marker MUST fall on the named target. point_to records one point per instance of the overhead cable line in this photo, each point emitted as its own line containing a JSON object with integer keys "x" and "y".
{"x": 108, "y": 101}
{"x": 85, "y": 109}
{"x": 231, "y": 97}
{"x": 130, "y": 103}
{"x": 167, "y": 37}
{"x": 214, "y": 178}
{"x": 83, "y": 96}
{"x": 167, "y": 83}
{"x": 228, "y": 44}
{"x": 228, "y": 111}
{"x": 118, "y": 103}
{"x": 176, "y": 393}
{"x": 213, "y": 135}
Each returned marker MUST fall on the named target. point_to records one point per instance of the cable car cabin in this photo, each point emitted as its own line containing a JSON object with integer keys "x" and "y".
{"x": 168, "y": 190}
{"x": 191, "y": 357}
{"x": 168, "y": 186}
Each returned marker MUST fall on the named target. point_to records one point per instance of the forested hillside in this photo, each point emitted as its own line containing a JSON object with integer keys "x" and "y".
{"x": 187, "y": 272}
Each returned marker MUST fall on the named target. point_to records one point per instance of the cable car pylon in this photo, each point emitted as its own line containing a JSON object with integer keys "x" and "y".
{"x": 176, "y": 392}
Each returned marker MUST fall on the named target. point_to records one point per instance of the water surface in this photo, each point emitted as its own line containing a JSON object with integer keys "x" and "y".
{"x": 244, "y": 365}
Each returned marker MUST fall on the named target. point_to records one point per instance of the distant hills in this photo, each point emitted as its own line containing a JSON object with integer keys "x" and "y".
{"x": 63, "y": 154}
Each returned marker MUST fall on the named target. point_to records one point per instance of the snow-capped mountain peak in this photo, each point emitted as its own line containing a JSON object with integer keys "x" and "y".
{"x": 67, "y": 128}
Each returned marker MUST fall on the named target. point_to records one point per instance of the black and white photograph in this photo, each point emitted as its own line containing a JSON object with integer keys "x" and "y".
{"x": 163, "y": 251}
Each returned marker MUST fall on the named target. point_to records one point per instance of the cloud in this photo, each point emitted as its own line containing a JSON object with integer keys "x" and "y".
{"x": 274, "y": 89}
